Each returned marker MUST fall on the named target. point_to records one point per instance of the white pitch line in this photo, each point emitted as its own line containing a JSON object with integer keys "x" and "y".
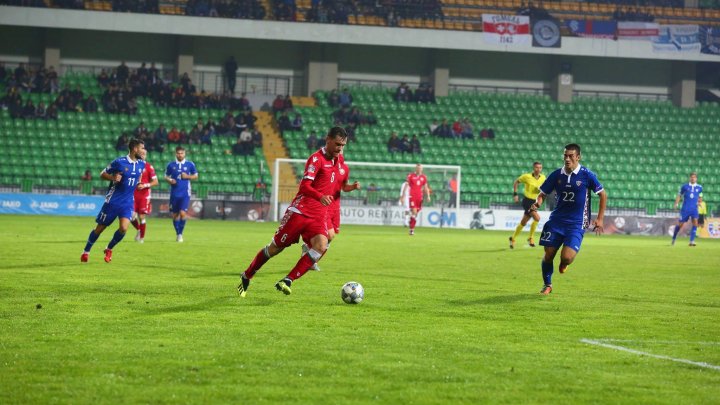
{"x": 657, "y": 356}
{"x": 661, "y": 342}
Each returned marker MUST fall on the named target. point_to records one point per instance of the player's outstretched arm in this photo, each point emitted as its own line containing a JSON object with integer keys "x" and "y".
{"x": 598, "y": 223}
{"x": 350, "y": 187}
{"x": 515, "y": 188}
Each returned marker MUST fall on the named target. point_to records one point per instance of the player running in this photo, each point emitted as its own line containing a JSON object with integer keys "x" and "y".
{"x": 142, "y": 201}
{"x": 333, "y": 215}
{"x": 416, "y": 184}
{"x": 571, "y": 216}
{"x": 306, "y": 216}
{"x": 124, "y": 174}
{"x": 690, "y": 193}
{"x": 179, "y": 174}
{"x": 532, "y": 182}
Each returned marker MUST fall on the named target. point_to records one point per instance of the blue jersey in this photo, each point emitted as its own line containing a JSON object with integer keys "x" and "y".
{"x": 690, "y": 194}
{"x": 120, "y": 194}
{"x": 573, "y": 196}
{"x": 174, "y": 170}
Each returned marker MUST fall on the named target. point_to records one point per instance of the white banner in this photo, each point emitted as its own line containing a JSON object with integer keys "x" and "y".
{"x": 677, "y": 38}
{"x": 506, "y": 29}
{"x": 434, "y": 217}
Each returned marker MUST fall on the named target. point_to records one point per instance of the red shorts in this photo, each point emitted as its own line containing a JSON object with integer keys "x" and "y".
{"x": 416, "y": 203}
{"x": 333, "y": 220}
{"x": 294, "y": 225}
{"x": 143, "y": 206}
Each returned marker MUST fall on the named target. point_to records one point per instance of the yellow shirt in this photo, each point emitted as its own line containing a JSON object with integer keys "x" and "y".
{"x": 702, "y": 208}
{"x": 532, "y": 185}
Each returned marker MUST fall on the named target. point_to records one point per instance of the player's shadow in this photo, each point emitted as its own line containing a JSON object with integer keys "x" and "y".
{"x": 496, "y": 300}
{"x": 206, "y": 305}
{"x": 39, "y": 265}
{"x": 488, "y": 250}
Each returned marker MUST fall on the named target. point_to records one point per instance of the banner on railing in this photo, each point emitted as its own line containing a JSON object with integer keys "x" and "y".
{"x": 592, "y": 28}
{"x": 677, "y": 38}
{"x": 506, "y": 29}
{"x": 50, "y": 204}
{"x": 637, "y": 30}
{"x": 710, "y": 40}
{"x": 546, "y": 33}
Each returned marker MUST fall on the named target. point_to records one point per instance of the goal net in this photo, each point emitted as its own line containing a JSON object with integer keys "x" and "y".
{"x": 378, "y": 201}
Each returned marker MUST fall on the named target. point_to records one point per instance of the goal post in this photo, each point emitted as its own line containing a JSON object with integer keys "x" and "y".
{"x": 381, "y": 183}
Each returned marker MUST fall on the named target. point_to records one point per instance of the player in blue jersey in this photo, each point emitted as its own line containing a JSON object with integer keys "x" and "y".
{"x": 571, "y": 216}
{"x": 124, "y": 176}
{"x": 179, "y": 174}
{"x": 689, "y": 193}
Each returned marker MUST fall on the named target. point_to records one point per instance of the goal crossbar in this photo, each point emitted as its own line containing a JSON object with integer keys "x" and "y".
{"x": 278, "y": 162}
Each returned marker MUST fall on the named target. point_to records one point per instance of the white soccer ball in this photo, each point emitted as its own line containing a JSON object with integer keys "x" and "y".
{"x": 352, "y": 292}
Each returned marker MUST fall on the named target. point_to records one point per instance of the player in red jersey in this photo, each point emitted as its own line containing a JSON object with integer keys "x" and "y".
{"x": 416, "y": 184}
{"x": 142, "y": 206}
{"x": 333, "y": 215}
{"x": 306, "y": 216}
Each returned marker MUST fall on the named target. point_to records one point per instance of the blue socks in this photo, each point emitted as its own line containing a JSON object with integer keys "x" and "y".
{"x": 676, "y": 231}
{"x": 91, "y": 240}
{"x": 181, "y": 226}
{"x": 693, "y": 232}
{"x": 117, "y": 237}
{"x": 547, "y": 271}
{"x": 176, "y": 225}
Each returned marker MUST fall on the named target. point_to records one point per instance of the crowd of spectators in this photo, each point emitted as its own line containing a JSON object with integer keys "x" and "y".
{"x": 632, "y": 14}
{"x": 327, "y": 11}
{"x": 404, "y": 145}
{"x": 245, "y": 9}
{"x": 29, "y": 79}
{"x": 135, "y": 6}
{"x": 461, "y": 128}
{"x": 67, "y": 100}
{"x": 423, "y": 94}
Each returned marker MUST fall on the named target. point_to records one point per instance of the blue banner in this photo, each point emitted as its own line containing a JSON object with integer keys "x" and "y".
{"x": 677, "y": 38}
{"x": 50, "y": 204}
{"x": 710, "y": 40}
{"x": 592, "y": 29}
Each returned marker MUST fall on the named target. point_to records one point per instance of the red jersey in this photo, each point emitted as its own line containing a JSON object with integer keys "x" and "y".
{"x": 416, "y": 182}
{"x": 147, "y": 177}
{"x": 322, "y": 173}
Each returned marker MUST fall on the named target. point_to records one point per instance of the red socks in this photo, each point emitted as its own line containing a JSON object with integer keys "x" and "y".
{"x": 260, "y": 259}
{"x": 302, "y": 267}
{"x": 412, "y": 222}
{"x": 142, "y": 230}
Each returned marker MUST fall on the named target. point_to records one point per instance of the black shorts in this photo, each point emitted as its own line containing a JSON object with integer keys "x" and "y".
{"x": 701, "y": 219}
{"x": 526, "y": 204}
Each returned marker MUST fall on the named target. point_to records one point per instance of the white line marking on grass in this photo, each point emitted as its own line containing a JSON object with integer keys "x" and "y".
{"x": 662, "y": 342}
{"x": 657, "y": 356}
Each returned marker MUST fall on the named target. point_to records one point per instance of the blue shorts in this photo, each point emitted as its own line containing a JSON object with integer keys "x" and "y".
{"x": 685, "y": 215}
{"x": 555, "y": 236}
{"x": 109, "y": 212}
{"x": 178, "y": 204}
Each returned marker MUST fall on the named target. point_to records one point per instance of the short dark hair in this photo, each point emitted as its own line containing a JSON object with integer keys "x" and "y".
{"x": 179, "y": 148}
{"x": 573, "y": 146}
{"x": 134, "y": 143}
{"x": 337, "y": 132}
{"x": 537, "y": 163}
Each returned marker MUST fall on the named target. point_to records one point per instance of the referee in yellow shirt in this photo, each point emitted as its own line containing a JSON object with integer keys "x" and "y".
{"x": 702, "y": 211}
{"x": 532, "y": 182}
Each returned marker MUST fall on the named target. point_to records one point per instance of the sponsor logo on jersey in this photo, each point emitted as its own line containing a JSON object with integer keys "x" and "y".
{"x": 311, "y": 169}
{"x": 578, "y": 183}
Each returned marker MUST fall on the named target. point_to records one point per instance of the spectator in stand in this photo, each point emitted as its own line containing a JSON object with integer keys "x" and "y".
{"x": 340, "y": 116}
{"x": 123, "y": 73}
{"x": 457, "y": 129}
{"x": 333, "y": 99}
{"x": 415, "y": 147}
{"x": 16, "y": 109}
{"x": 354, "y": 116}
{"x": 206, "y": 138}
{"x": 41, "y": 111}
{"x": 393, "y": 145}
{"x": 443, "y": 130}
{"x": 28, "y": 111}
{"x": 311, "y": 141}
{"x": 87, "y": 176}
{"x": 287, "y": 103}
{"x": 278, "y": 104}
{"x": 487, "y": 133}
{"x": 297, "y": 123}
{"x": 284, "y": 122}
{"x": 345, "y": 99}
{"x": 122, "y": 142}
{"x": 257, "y": 138}
{"x": 174, "y": 136}
{"x": 405, "y": 146}
{"x": 158, "y": 140}
{"x": 467, "y": 130}
{"x": 52, "y": 113}
{"x": 432, "y": 127}
{"x": 369, "y": 118}
{"x": 140, "y": 131}
{"x": 52, "y": 79}
{"x": 231, "y": 68}
{"x": 249, "y": 119}
{"x": 227, "y": 125}
{"x": 244, "y": 145}
{"x": 90, "y": 105}
{"x": 403, "y": 93}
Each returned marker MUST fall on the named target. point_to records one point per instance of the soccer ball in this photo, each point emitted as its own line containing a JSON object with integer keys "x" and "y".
{"x": 352, "y": 293}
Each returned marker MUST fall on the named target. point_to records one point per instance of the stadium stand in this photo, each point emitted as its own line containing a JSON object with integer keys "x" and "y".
{"x": 33, "y": 145}
{"x": 642, "y": 150}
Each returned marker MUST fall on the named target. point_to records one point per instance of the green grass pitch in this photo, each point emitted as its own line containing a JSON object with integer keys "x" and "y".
{"x": 450, "y": 317}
